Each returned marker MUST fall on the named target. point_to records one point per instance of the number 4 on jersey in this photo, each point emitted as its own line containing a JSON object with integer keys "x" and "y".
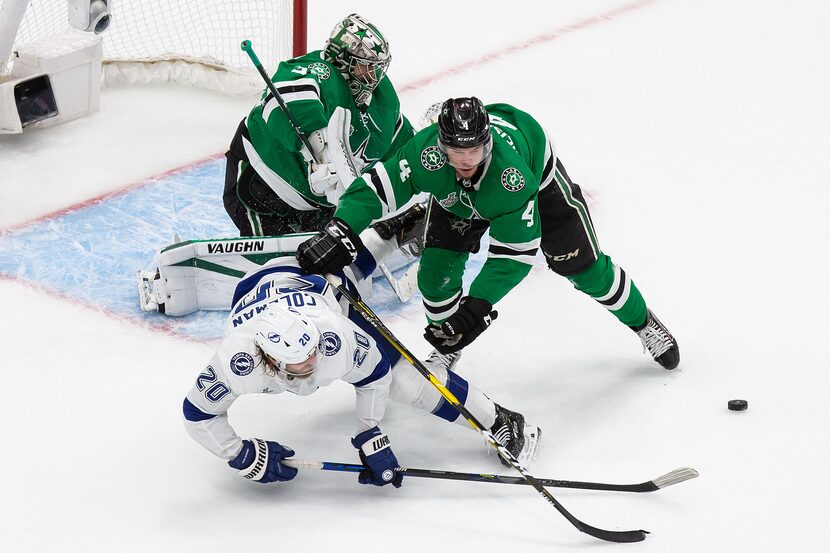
{"x": 528, "y": 214}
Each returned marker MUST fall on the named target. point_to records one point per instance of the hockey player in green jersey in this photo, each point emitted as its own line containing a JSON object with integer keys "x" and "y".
{"x": 339, "y": 96}
{"x": 493, "y": 168}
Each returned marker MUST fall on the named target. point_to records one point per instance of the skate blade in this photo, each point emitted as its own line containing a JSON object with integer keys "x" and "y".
{"x": 533, "y": 435}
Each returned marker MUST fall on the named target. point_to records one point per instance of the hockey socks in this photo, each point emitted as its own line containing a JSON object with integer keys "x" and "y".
{"x": 612, "y": 288}
{"x": 411, "y": 388}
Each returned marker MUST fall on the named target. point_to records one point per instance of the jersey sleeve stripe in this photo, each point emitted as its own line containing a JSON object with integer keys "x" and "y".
{"x": 382, "y": 186}
{"x": 291, "y": 91}
{"x": 381, "y": 370}
{"x": 280, "y": 186}
{"x": 193, "y": 413}
{"x": 298, "y": 85}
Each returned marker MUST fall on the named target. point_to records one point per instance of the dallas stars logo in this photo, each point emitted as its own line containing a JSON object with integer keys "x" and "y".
{"x": 319, "y": 69}
{"x": 512, "y": 179}
{"x": 460, "y": 226}
{"x": 360, "y": 153}
{"x": 432, "y": 158}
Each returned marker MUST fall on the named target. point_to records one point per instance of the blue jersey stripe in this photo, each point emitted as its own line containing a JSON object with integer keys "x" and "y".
{"x": 193, "y": 413}
{"x": 381, "y": 369}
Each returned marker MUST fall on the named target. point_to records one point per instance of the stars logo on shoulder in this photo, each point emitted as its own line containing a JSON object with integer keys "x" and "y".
{"x": 320, "y": 69}
{"x": 432, "y": 158}
{"x": 512, "y": 179}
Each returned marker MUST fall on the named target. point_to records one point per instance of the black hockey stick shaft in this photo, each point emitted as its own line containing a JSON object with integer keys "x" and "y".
{"x": 248, "y": 49}
{"x": 674, "y": 477}
{"x": 504, "y": 453}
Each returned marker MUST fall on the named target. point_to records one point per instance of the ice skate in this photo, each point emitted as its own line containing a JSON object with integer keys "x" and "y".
{"x": 439, "y": 360}
{"x": 514, "y": 433}
{"x": 659, "y": 342}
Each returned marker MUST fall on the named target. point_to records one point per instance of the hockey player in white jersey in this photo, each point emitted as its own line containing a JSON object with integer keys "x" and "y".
{"x": 290, "y": 332}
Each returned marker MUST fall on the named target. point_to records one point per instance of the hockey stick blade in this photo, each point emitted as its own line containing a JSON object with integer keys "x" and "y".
{"x": 674, "y": 477}
{"x": 404, "y": 287}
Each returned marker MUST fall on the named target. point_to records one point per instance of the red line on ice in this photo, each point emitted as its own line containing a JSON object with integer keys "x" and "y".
{"x": 524, "y": 45}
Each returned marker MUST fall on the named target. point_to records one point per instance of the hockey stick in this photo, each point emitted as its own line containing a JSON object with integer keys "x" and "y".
{"x": 669, "y": 479}
{"x": 504, "y": 453}
{"x": 248, "y": 49}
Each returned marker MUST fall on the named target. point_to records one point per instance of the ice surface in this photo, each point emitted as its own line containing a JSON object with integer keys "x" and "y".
{"x": 699, "y": 130}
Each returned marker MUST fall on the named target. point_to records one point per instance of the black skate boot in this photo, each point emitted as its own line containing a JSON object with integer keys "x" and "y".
{"x": 659, "y": 342}
{"x": 407, "y": 227}
{"x": 446, "y": 362}
{"x": 520, "y": 439}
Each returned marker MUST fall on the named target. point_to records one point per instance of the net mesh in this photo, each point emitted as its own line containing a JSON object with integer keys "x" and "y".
{"x": 206, "y": 32}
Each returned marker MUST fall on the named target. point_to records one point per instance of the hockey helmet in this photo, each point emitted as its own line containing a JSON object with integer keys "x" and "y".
{"x": 287, "y": 337}
{"x": 463, "y": 123}
{"x": 360, "y": 53}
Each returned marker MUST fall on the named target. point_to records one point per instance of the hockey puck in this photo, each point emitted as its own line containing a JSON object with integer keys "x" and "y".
{"x": 737, "y": 405}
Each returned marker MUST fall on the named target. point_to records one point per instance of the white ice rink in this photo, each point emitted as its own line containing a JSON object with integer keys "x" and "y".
{"x": 700, "y": 131}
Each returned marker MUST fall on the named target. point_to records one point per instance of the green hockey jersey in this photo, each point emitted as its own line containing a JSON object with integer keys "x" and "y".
{"x": 312, "y": 88}
{"x": 504, "y": 194}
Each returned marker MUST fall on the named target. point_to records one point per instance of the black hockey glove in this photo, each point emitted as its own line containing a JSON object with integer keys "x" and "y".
{"x": 462, "y": 327}
{"x": 332, "y": 249}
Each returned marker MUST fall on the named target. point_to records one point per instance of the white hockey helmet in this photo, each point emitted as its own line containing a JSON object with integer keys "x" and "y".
{"x": 287, "y": 337}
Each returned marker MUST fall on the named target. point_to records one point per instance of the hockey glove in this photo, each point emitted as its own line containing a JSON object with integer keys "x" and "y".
{"x": 260, "y": 461}
{"x": 376, "y": 454}
{"x": 333, "y": 248}
{"x": 472, "y": 318}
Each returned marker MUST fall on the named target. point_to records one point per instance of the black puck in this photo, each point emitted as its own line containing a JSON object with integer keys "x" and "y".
{"x": 737, "y": 405}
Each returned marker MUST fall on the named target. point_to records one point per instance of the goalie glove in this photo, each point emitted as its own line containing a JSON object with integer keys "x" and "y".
{"x": 473, "y": 317}
{"x": 260, "y": 461}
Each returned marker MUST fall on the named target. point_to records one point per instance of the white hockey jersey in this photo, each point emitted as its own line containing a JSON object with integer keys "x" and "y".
{"x": 345, "y": 352}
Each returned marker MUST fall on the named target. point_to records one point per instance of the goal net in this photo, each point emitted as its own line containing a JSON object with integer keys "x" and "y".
{"x": 195, "y": 42}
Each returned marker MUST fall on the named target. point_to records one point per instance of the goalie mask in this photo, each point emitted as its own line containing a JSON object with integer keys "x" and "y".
{"x": 360, "y": 53}
{"x": 288, "y": 339}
